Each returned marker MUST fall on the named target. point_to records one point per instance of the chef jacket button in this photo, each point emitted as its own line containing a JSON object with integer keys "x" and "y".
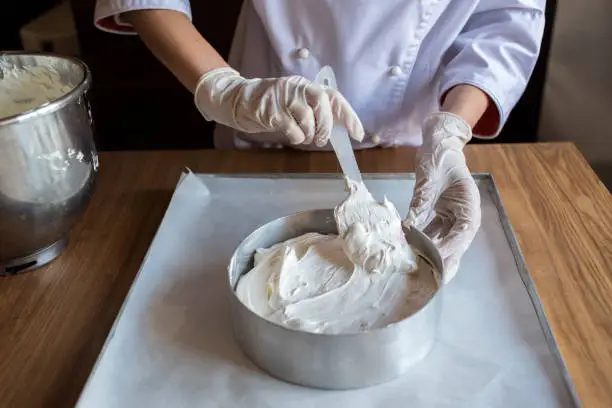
{"x": 376, "y": 139}
{"x": 396, "y": 70}
{"x": 303, "y": 53}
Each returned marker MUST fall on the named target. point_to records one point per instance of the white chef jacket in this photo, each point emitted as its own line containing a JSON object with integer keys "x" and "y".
{"x": 394, "y": 59}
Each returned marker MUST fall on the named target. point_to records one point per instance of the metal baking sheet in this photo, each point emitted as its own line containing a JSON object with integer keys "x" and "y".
{"x": 172, "y": 346}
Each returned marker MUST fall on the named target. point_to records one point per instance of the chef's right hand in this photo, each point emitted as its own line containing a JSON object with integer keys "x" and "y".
{"x": 294, "y": 106}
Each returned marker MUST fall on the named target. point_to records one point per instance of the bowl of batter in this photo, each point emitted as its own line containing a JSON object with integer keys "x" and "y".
{"x": 48, "y": 158}
{"x": 336, "y": 298}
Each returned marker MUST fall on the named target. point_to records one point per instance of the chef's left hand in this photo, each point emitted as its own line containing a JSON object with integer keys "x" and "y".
{"x": 445, "y": 191}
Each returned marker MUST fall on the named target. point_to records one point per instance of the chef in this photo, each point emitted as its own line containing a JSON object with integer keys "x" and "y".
{"x": 426, "y": 73}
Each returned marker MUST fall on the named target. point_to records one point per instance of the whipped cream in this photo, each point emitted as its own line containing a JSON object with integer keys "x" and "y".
{"x": 372, "y": 232}
{"x": 366, "y": 277}
{"x": 23, "y": 89}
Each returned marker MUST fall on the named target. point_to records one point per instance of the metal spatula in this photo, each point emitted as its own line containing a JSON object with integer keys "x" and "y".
{"x": 339, "y": 136}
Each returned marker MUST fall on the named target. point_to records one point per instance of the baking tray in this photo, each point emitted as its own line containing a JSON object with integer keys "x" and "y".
{"x": 171, "y": 344}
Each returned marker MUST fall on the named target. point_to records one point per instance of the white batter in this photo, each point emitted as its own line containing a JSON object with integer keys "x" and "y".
{"x": 365, "y": 278}
{"x": 22, "y": 89}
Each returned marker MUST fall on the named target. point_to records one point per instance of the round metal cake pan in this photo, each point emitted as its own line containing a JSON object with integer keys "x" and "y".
{"x": 329, "y": 361}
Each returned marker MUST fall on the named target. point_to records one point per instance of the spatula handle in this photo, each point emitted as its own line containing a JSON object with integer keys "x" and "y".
{"x": 339, "y": 138}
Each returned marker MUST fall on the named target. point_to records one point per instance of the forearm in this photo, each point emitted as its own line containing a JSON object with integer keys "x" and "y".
{"x": 174, "y": 40}
{"x": 466, "y": 101}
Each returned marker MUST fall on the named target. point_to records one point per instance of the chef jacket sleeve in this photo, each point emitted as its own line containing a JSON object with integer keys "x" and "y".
{"x": 107, "y": 15}
{"x": 496, "y": 52}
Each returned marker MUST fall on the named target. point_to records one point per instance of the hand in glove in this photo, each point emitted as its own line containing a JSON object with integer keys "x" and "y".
{"x": 445, "y": 189}
{"x": 294, "y": 106}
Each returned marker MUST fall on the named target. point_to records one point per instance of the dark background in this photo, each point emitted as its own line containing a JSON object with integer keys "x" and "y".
{"x": 138, "y": 104}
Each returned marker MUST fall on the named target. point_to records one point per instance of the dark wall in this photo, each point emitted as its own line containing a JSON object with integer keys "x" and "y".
{"x": 15, "y": 14}
{"x": 138, "y": 104}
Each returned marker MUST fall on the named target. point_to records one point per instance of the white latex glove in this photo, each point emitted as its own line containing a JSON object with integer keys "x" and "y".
{"x": 294, "y": 106}
{"x": 445, "y": 189}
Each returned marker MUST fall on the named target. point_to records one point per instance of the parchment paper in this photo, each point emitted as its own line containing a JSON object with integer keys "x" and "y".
{"x": 172, "y": 344}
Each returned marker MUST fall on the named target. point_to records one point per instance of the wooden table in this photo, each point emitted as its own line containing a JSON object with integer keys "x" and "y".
{"x": 53, "y": 321}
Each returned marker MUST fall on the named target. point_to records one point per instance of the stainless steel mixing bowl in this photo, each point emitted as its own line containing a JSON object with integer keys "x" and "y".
{"x": 331, "y": 361}
{"x": 48, "y": 163}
